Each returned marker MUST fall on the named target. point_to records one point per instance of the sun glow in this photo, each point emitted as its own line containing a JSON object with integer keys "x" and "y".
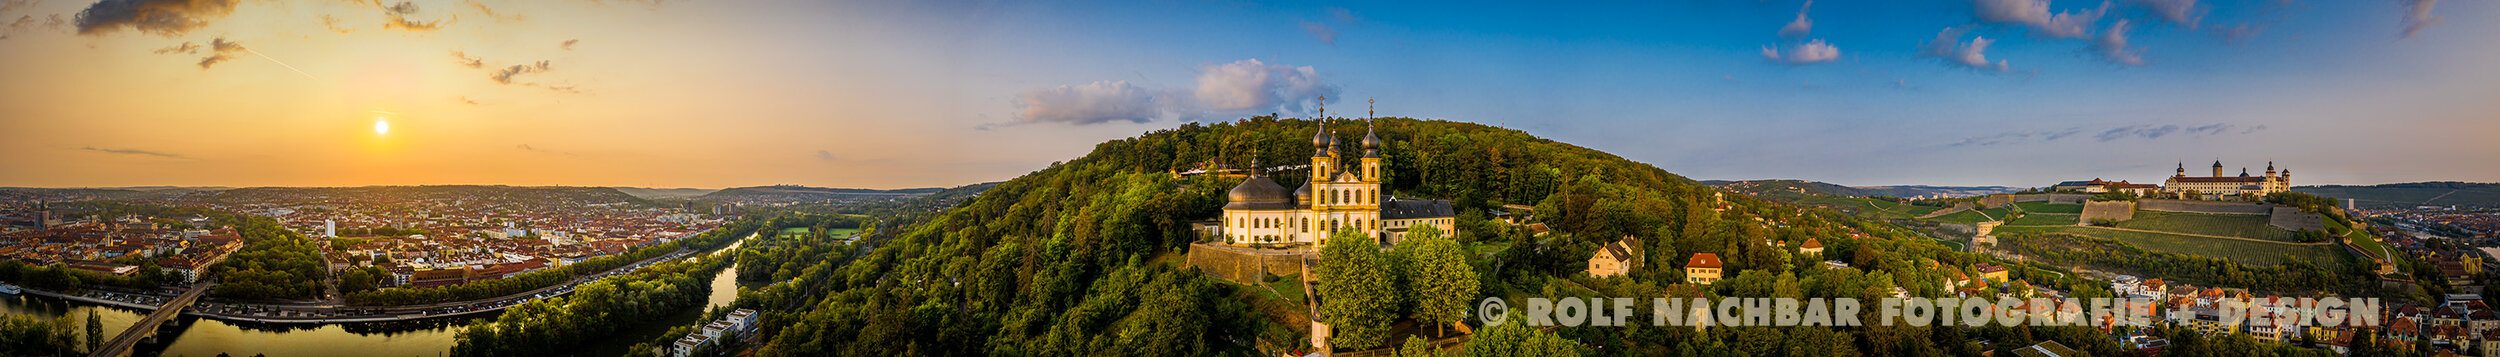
{"x": 381, "y": 126}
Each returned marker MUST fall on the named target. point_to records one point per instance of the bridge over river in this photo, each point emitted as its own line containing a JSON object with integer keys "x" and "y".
{"x": 145, "y": 329}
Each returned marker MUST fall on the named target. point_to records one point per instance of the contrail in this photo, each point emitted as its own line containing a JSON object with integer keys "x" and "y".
{"x": 274, "y": 60}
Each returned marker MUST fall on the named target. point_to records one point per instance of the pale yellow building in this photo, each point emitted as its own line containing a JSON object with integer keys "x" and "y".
{"x": 1616, "y": 259}
{"x": 1258, "y": 212}
{"x": 2219, "y": 186}
{"x": 1703, "y": 270}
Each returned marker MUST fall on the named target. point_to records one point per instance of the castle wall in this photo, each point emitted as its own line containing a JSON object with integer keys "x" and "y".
{"x": 1243, "y": 265}
{"x": 2206, "y": 207}
{"x": 2112, "y": 210}
{"x": 2061, "y": 198}
{"x": 1996, "y": 200}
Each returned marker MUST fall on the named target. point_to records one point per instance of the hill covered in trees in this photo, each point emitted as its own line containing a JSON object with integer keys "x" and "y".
{"x": 804, "y": 193}
{"x": 1082, "y": 257}
{"x": 1787, "y": 190}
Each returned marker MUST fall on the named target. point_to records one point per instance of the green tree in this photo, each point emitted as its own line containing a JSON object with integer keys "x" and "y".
{"x": 1416, "y": 347}
{"x": 1444, "y": 284}
{"x": 1357, "y": 300}
{"x": 95, "y": 331}
{"x": 1515, "y": 339}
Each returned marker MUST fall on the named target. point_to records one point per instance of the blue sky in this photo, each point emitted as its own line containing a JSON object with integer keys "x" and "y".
{"x": 1685, "y": 84}
{"x": 915, "y": 94}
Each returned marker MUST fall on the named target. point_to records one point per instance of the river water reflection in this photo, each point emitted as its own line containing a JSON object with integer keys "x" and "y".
{"x": 198, "y": 337}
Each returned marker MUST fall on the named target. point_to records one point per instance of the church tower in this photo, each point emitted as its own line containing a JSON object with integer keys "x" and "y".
{"x": 1324, "y": 155}
{"x": 2217, "y": 168}
{"x": 2182, "y": 169}
{"x": 1371, "y": 150}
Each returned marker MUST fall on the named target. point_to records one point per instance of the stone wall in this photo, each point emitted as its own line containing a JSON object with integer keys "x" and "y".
{"x": 2113, "y": 210}
{"x": 2293, "y": 219}
{"x": 2063, "y": 198}
{"x": 2206, "y": 207}
{"x": 1244, "y": 265}
{"x": 1996, "y": 200}
{"x": 1957, "y": 208}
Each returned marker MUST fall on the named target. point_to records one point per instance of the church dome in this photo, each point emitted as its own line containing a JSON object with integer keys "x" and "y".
{"x": 1371, "y": 144}
{"x": 1320, "y": 142}
{"x": 1302, "y": 197}
{"x": 1258, "y": 193}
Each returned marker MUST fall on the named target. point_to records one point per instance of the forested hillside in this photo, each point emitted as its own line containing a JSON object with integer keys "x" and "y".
{"x": 1081, "y": 257}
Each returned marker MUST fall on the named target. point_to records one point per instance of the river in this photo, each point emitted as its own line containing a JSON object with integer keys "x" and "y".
{"x": 198, "y": 337}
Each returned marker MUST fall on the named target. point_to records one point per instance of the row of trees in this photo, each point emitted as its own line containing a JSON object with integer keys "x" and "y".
{"x": 1427, "y": 277}
{"x": 1054, "y": 263}
{"x": 58, "y": 277}
{"x": 22, "y": 335}
{"x": 594, "y": 312}
{"x": 524, "y": 282}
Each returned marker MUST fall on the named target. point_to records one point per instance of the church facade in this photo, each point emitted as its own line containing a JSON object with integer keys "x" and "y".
{"x": 1259, "y": 212}
{"x": 2219, "y": 186}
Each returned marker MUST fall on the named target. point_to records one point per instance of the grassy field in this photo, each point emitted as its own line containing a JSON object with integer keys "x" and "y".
{"x": 2045, "y": 207}
{"x": 1288, "y": 288}
{"x": 1869, "y": 208}
{"x": 2359, "y": 238}
{"x": 2243, "y": 252}
{"x": 2045, "y": 219}
{"x": 1968, "y": 217}
{"x": 2233, "y": 225}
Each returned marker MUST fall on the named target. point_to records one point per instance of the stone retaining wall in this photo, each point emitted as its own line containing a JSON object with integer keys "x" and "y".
{"x": 2114, "y": 210}
{"x": 1244, "y": 265}
{"x": 2062, "y": 198}
{"x": 2206, "y": 207}
{"x": 1996, "y": 200}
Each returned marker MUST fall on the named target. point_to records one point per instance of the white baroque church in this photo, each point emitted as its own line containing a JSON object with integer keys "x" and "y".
{"x": 1259, "y": 212}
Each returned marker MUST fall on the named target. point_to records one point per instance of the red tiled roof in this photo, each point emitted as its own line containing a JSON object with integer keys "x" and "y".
{"x": 1703, "y": 260}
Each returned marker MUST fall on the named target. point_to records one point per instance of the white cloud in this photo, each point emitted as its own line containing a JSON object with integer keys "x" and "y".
{"x": 1251, "y": 85}
{"x": 2182, "y": 12}
{"x": 1101, "y": 101}
{"x": 1973, "y": 54}
{"x": 1800, "y": 27}
{"x": 1321, "y": 31}
{"x": 1242, "y": 87}
{"x": 2035, "y": 13}
{"x": 2112, "y": 45}
{"x": 2418, "y": 16}
{"x": 1808, "y": 53}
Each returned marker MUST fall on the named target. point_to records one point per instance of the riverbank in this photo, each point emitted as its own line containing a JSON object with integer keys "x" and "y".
{"x": 213, "y": 310}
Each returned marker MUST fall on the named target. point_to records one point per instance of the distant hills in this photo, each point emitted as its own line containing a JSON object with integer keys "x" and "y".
{"x": 2405, "y": 195}
{"x": 664, "y": 193}
{"x": 804, "y": 193}
{"x": 1800, "y": 188}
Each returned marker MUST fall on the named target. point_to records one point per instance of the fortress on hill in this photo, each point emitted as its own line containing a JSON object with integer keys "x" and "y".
{"x": 2183, "y": 186}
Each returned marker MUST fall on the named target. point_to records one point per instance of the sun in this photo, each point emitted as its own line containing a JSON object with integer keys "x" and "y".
{"x": 381, "y": 126}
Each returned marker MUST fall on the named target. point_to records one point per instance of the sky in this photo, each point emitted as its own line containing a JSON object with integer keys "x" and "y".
{"x": 884, "y": 94}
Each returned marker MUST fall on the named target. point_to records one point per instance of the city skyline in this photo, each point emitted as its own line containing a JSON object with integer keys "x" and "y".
{"x": 122, "y": 93}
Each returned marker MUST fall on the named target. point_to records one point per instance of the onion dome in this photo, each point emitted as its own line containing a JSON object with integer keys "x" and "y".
{"x": 1371, "y": 144}
{"x": 1320, "y": 142}
{"x": 1258, "y": 193}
